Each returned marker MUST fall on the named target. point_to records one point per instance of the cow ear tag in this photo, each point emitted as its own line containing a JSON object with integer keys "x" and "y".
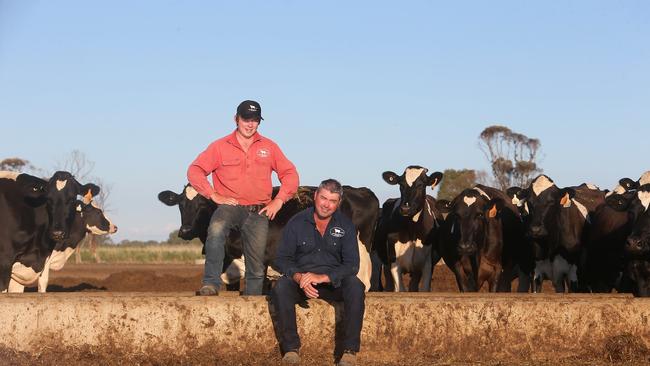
{"x": 565, "y": 201}
{"x": 434, "y": 184}
{"x": 493, "y": 212}
{"x": 88, "y": 197}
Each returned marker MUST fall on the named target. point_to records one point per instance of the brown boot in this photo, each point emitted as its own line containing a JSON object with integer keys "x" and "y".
{"x": 349, "y": 358}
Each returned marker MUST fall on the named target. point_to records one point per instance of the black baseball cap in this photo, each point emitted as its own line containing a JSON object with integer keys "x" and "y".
{"x": 250, "y": 109}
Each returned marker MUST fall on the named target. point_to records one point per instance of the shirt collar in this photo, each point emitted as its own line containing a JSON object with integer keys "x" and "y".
{"x": 232, "y": 138}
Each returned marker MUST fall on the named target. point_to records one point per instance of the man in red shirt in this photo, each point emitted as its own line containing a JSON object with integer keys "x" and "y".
{"x": 241, "y": 164}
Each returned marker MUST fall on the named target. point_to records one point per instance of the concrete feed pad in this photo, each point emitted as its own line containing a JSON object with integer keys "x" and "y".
{"x": 469, "y": 327}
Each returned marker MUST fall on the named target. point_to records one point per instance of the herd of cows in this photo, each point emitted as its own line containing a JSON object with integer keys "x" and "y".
{"x": 581, "y": 238}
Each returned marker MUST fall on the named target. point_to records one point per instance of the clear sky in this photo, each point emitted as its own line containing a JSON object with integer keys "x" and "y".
{"x": 348, "y": 89}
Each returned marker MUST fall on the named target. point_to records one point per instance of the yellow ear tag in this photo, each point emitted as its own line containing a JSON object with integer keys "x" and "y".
{"x": 88, "y": 197}
{"x": 493, "y": 212}
{"x": 565, "y": 200}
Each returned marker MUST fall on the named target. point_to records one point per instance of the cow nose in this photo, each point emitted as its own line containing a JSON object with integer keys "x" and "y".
{"x": 537, "y": 231}
{"x": 465, "y": 248}
{"x": 634, "y": 244}
{"x": 184, "y": 229}
{"x": 57, "y": 235}
{"x": 113, "y": 229}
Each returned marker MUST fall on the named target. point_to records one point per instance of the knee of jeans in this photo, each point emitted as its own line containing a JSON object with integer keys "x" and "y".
{"x": 216, "y": 229}
{"x": 282, "y": 285}
{"x": 353, "y": 283}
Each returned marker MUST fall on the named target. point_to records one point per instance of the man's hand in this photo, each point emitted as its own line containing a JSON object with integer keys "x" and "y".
{"x": 309, "y": 280}
{"x": 272, "y": 208}
{"x": 222, "y": 200}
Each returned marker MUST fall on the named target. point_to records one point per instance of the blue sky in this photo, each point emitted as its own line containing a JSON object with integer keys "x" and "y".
{"x": 348, "y": 89}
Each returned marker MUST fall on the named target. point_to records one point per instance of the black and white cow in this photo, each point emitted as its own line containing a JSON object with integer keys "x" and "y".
{"x": 406, "y": 225}
{"x": 479, "y": 238}
{"x": 88, "y": 219}
{"x": 637, "y": 247}
{"x": 35, "y": 214}
{"x": 360, "y": 204}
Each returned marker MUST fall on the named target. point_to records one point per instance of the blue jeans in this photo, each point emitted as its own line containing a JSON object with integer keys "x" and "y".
{"x": 287, "y": 293}
{"x": 253, "y": 228}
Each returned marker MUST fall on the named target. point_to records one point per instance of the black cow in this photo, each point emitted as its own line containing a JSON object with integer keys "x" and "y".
{"x": 406, "y": 224}
{"x": 88, "y": 219}
{"x": 637, "y": 247}
{"x": 479, "y": 237}
{"x": 35, "y": 214}
{"x": 610, "y": 227}
{"x": 557, "y": 227}
{"x": 360, "y": 204}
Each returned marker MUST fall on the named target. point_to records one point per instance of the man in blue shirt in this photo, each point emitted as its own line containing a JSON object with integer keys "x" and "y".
{"x": 319, "y": 258}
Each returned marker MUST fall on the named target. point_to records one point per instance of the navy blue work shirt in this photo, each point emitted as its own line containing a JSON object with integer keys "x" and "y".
{"x": 303, "y": 249}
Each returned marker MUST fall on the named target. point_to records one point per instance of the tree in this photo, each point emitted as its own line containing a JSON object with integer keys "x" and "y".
{"x": 512, "y": 156}
{"x": 455, "y": 181}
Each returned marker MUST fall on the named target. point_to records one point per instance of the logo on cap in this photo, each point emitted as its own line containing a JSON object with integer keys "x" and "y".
{"x": 252, "y": 108}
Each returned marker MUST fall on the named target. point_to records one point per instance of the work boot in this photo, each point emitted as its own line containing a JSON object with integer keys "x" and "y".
{"x": 291, "y": 358}
{"x": 208, "y": 290}
{"x": 349, "y": 358}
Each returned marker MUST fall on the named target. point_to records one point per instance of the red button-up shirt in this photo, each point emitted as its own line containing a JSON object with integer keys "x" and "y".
{"x": 245, "y": 176}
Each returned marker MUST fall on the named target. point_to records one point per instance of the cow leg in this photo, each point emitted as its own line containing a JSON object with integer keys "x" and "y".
{"x": 414, "y": 284}
{"x": 573, "y": 278}
{"x": 459, "y": 273}
{"x": 427, "y": 274}
{"x": 396, "y": 274}
{"x": 375, "y": 277}
{"x": 15, "y": 287}
{"x": 44, "y": 278}
{"x": 234, "y": 273}
{"x": 5, "y": 276}
{"x": 560, "y": 272}
{"x": 524, "y": 280}
{"x": 388, "y": 278}
{"x": 365, "y": 267}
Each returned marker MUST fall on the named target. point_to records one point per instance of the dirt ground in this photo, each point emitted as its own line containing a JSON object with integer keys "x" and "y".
{"x": 183, "y": 278}
{"x": 174, "y": 277}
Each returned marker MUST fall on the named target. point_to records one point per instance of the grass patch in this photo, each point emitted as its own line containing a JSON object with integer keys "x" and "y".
{"x": 147, "y": 253}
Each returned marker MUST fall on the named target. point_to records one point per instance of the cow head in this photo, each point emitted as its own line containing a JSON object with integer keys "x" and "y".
{"x": 60, "y": 196}
{"x": 94, "y": 219}
{"x": 638, "y": 242}
{"x": 571, "y": 219}
{"x": 542, "y": 203}
{"x": 412, "y": 185}
{"x": 518, "y": 197}
{"x": 196, "y": 211}
{"x": 468, "y": 219}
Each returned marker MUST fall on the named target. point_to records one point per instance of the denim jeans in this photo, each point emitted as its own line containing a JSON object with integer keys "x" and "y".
{"x": 253, "y": 228}
{"x": 287, "y": 293}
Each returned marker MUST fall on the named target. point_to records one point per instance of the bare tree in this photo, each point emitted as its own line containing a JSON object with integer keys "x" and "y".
{"x": 512, "y": 156}
{"x": 77, "y": 164}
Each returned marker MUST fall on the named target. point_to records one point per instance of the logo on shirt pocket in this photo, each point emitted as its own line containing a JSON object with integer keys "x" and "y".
{"x": 337, "y": 232}
{"x": 263, "y": 153}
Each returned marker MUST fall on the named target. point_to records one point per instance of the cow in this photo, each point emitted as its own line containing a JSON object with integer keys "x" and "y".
{"x": 637, "y": 247}
{"x": 406, "y": 224}
{"x": 556, "y": 227}
{"x": 479, "y": 237}
{"x": 35, "y": 214}
{"x": 360, "y": 204}
{"x": 611, "y": 224}
{"x": 89, "y": 218}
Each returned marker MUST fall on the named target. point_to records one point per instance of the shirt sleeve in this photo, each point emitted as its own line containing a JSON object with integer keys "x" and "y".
{"x": 287, "y": 174}
{"x": 285, "y": 259}
{"x": 350, "y": 258}
{"x": 204, "y": 164}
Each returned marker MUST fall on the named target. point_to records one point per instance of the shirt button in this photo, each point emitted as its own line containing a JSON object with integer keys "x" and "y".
{"x": 319, "y": 250}
{"x": 334, "y": 243}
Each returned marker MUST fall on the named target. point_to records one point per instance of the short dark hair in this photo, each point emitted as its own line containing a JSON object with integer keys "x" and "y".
{"x": 331, "y": 185}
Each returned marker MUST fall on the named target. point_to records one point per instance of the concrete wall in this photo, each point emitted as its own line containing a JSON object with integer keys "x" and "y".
{"x": 450, "y": 326}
